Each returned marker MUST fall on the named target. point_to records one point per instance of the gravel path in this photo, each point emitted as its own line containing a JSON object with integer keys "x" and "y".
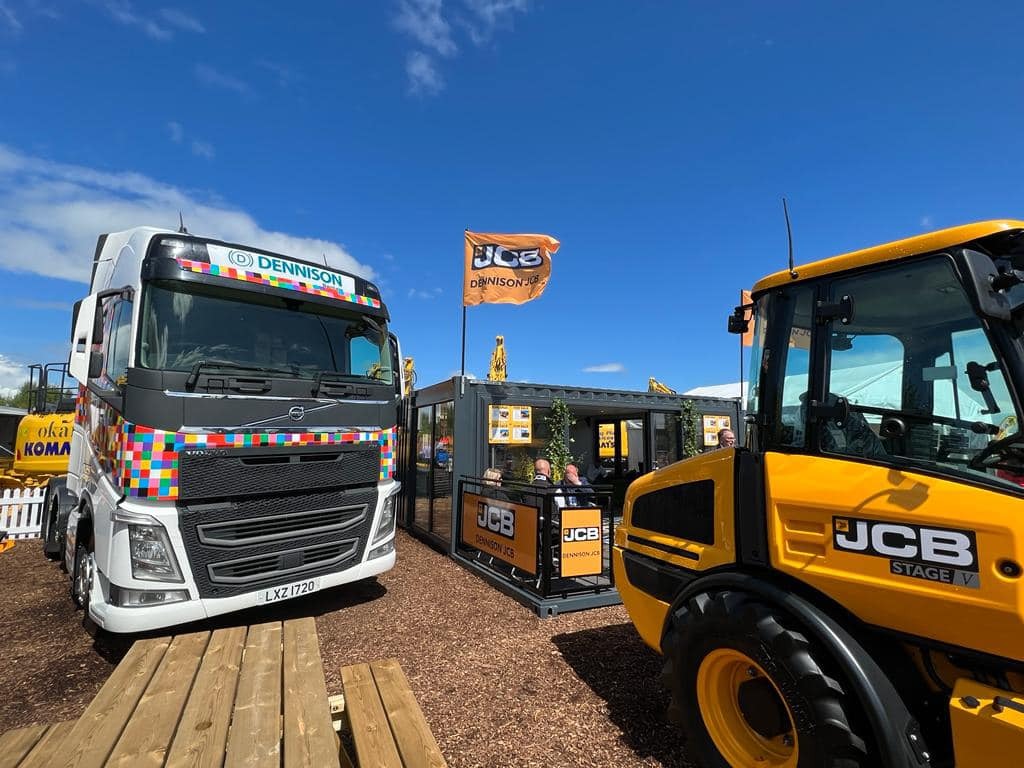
{"x": 499, "y": 686}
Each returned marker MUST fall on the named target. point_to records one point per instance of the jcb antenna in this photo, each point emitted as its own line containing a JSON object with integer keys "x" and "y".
{"x": 789, "y": 235}
{"x": 181, "y": 225}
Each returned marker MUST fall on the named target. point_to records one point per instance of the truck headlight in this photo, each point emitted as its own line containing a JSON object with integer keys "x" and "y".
{"x": 152, "y": 555}
{"x": 386, "y": 526}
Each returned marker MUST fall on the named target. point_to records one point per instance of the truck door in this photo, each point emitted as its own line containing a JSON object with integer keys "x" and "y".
{"x": 870, "y": 435}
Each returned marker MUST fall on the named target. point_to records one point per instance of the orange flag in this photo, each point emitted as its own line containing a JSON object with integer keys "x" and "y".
{"x": 748, "y": 315}
{"x": 506, "y": 269}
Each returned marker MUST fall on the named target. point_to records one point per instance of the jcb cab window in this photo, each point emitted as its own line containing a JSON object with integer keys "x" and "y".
{"x": 902, "y": 378}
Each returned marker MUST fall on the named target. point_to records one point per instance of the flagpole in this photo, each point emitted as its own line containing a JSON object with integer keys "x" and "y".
{"x": 462, "y": 375}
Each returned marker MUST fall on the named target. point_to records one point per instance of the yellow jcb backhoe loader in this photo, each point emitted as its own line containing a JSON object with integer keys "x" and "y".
{"x": 845, "y": 589}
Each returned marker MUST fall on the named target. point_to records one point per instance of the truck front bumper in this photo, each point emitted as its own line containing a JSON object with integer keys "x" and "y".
{"x": 118, "y": 619}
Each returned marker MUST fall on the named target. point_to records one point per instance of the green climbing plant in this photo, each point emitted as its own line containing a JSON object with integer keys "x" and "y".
{"x": 688, "y": 417}
{"x": 559, "y": 421}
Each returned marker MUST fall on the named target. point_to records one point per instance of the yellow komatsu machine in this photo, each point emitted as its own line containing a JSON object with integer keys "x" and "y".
{"x": 42, "y": 444}
{"x": 845, "y": 589}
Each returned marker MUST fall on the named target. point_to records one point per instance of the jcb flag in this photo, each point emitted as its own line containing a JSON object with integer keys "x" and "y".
{"x": 506, "y": 269}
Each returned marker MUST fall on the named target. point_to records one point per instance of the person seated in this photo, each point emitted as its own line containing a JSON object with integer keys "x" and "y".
{"x": 854, "y": 438}
{"x": 574, "y": 488}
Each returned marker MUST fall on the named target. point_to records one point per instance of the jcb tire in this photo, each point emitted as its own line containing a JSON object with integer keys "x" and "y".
{"x": 748, "y": 689}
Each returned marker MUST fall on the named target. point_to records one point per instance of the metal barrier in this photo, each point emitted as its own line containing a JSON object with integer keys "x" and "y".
{"x": 548, "y": 547}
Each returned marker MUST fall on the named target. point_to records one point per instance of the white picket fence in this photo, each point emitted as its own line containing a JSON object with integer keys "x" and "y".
{"x": 21, "y": 512}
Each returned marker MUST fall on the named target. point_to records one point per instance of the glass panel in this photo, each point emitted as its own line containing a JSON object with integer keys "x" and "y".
{"x": 797, "y": 371}
{"x": 179, "y": 329}
{"x": 424, "y": 460}
{"x": 666, "y": 439}
{"x": 444, "y": 459}
{"x": 913, "y": 371}
{"x": 516, "y": 461}
{"x": 119, "y": 343}
{"x": 757, "y": 355}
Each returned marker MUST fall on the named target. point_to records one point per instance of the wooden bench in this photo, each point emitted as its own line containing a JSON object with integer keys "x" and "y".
{"x": 244, "y": 696}
{"x": 387, "y": 725}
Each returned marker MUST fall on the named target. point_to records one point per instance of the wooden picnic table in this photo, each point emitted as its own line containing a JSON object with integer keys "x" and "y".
{"x": 244, "y": 696}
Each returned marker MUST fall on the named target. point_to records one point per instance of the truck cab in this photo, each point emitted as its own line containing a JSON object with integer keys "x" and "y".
{"x": 234, "y": 431}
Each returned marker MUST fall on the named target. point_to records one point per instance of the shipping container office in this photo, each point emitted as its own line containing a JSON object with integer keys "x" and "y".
{"x": 451, "y": 432}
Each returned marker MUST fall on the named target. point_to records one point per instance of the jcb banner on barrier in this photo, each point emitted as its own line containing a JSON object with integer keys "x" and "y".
{"x": 581, "y": 542}
{"x": 503, "y": 529}
{"x": 506, "y": 269}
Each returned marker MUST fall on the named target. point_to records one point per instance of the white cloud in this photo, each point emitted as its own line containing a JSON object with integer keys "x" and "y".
{"x": 202, "y": 149}
{"x": 286, "y": 76}
{"x": 425, "y": 22}
{"x": 429, "y": 293}
{"x": 123, "y": 13}
{"x": 214, "y": 78}
{"x": 7, "y": 18}
{"x": 176, "y": 131}
{"x": 422, "y": 20}
{"x": 182, "y": 20}
{"x": 51, "y": 214}
{"x": 423, "y": 75}
{"x": 12, "y": 376}
{"x": 605, "y": 368}
{"x": 488, "y": 15}
{"x": 926, "y": 221}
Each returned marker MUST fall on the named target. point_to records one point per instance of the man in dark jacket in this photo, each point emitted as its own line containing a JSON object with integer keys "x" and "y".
{"x": 542, "y": 473}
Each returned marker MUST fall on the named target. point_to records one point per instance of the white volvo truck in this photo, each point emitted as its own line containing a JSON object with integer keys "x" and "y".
{"x": 234, "y": 439}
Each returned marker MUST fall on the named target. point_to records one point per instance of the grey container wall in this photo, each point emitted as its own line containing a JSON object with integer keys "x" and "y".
{"x": 472, "y": 399}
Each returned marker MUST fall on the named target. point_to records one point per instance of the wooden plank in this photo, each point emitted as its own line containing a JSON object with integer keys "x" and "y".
{"x": 14, "y": 745}
{"x": 45, "y": 753}
{"x": 375, "y": 746}
{"x": 255, "y": 736}
{"x": 415, "y": 740}
{"x": 147, "y": 735}
{"x": 309, "y": 738}
{"x": 100, "y": 726}
{"x": 202, "y": 735}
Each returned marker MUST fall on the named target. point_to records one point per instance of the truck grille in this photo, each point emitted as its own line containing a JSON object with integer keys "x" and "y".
{"x": 243, "y": 544}
{"x": 215, "y": 474}
{"x": 283, "y": 566}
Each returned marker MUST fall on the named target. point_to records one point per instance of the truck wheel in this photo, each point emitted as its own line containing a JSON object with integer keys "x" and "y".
{"x": 81, "y": 582}
{"x": 749, "y": 690}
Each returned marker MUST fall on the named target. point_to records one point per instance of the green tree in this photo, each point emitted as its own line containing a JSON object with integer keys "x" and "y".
{"x": 691, "y": 429}
{"x": 559, "y": 421}
{"x": 20, "y": 398}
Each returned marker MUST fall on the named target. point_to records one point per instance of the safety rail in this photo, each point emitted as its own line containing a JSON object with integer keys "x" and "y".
{"x": 550, "y": 546}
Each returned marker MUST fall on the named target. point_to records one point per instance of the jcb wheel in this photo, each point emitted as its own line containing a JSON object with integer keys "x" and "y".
{"x": 749, "y": 690}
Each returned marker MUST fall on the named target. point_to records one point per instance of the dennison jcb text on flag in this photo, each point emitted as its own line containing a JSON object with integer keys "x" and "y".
{"x": 506, "y": 269}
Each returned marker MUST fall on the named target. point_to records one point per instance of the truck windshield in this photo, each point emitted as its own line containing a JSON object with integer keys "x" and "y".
{"x": 180, "y": 328}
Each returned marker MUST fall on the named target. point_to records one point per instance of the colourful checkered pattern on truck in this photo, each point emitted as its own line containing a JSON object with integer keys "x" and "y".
{"x": 275, "y": 281}
{"x": 148, "y": 458}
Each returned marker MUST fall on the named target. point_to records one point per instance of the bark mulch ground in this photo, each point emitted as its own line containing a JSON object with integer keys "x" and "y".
{"x": 498, "y": 685}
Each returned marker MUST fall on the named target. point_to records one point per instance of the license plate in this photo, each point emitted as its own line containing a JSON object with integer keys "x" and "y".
{"x": 288, "y": 590}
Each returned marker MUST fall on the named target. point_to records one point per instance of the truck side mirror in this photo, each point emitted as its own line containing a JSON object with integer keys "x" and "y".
{"x": 80, "y": 362}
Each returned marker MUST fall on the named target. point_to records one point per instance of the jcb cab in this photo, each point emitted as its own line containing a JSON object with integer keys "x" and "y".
{"x": 845, "y": 590}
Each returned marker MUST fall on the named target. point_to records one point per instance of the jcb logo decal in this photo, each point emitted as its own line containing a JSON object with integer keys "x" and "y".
{"x": 485, "y": 256}
{"x": 946, "y": 555}
{"x": 570, "y": 535}
{"x": 496, "y": 520}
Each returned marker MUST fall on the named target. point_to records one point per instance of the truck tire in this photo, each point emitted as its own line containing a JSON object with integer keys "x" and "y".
{"x": 748, "y": 689}
{"x": 52, "y": 548}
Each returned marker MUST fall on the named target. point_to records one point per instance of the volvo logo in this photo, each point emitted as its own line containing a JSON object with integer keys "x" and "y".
{"x": 241, "y": 259}
{"x": 296, "y": 413}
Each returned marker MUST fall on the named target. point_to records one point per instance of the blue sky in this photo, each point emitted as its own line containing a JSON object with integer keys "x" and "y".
{"x": 654, "y": 139}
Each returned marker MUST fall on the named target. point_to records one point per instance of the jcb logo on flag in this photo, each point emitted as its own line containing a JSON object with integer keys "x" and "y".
{"x": 506, "y": 269}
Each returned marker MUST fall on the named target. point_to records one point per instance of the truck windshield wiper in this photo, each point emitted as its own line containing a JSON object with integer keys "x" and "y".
{"x": 193, "y": 377}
